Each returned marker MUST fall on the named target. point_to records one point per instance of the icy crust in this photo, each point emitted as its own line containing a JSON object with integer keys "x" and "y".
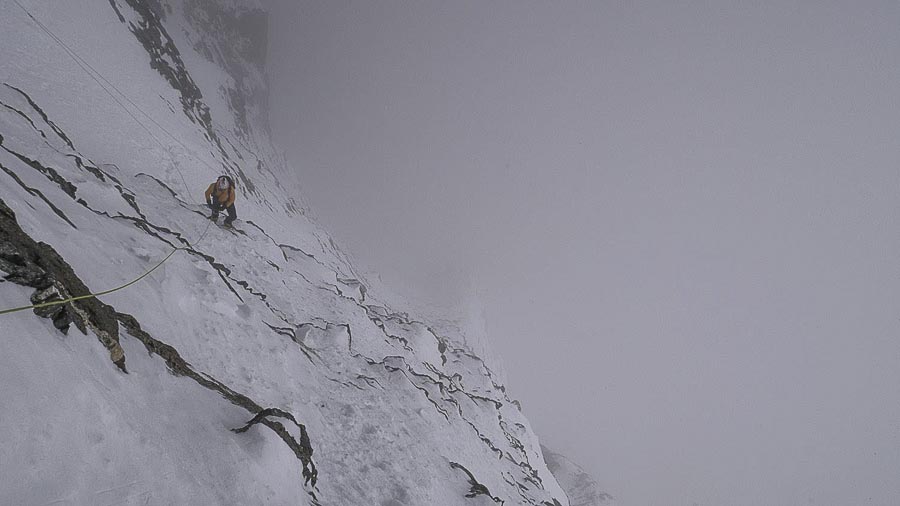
{"x": 396, "y": 411}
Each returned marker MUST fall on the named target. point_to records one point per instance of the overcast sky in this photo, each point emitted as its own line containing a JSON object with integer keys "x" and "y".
{"x": 683, "y": 219}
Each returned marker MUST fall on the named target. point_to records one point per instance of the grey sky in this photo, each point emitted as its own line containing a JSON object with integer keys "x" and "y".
{"x": 683, "y": 217}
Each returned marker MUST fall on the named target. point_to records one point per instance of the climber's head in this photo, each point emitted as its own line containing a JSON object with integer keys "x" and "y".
{"x": 223, "y": 183}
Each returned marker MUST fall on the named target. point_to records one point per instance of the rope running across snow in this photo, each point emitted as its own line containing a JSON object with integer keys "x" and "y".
{"x": 100, "y": 80}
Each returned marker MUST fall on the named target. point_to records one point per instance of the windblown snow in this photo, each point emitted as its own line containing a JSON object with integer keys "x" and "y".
{"x": 254, "y": 366}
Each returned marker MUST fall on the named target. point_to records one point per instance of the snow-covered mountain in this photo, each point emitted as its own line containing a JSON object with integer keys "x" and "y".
{"x": 580, "y": 487}
{"x": 253, "y": 365}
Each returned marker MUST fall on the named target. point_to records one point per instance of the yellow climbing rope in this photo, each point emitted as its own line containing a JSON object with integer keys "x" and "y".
{"x": 91, "y": 71}
{"x": 91, "y": 295}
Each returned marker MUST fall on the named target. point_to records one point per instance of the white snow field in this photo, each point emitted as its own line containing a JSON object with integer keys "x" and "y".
{"x": 104, "y": 157}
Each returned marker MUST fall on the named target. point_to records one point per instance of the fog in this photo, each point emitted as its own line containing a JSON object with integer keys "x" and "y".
{"x": 682, "y": 219}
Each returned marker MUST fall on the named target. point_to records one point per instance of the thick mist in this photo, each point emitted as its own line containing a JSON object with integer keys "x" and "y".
{"x": 683, "y": 219}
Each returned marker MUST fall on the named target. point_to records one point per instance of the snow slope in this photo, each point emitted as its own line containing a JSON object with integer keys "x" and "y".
{"x": 253, "y": 366}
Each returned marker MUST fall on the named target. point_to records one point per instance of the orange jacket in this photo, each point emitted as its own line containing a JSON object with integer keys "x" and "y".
{"x": 225, "y": 198}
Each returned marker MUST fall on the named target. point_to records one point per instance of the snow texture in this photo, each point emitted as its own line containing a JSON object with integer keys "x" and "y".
{"x": 104, "y": 157}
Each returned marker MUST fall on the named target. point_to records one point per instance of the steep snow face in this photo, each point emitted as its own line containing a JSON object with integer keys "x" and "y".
{"x": 253, "y": 365}
{"x": 579, "y": 485}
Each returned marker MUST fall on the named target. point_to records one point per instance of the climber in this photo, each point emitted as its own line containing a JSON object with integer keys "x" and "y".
{"x": 220, "y": 196}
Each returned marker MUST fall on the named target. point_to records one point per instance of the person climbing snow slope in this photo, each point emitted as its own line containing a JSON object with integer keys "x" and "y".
{"x": 220, "y": 197}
